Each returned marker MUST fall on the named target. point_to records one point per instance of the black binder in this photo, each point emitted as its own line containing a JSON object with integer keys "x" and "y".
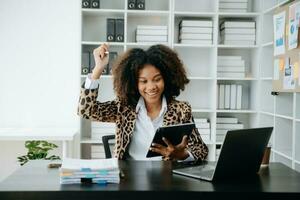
{"x": 95, "y": 4}
{"x": 85, "y": 63}
{"x": 112, "y": 57}
{"x": 92, "y": 62}
{"x": 119, "y": 30}
{"x": 140, "y": 4}
{"x": 110, "y": 30}
{"x": 86, "y": 4}
{"x": 131, "y": 4}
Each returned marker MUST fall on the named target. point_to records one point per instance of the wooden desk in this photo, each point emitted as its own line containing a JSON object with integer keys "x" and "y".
{"x": 150, "y": 180}
{"x": 49, "y": 134}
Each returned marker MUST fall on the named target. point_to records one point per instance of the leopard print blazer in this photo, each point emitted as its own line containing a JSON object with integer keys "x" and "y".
{"x": 124, "y": 116}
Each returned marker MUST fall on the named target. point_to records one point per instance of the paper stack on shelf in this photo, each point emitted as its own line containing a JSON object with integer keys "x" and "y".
{"x": 234, "y": 6}
{"x": 203, "y": 126}
{"x": 225, "y": 124}
{"x": 101, "y": 171}
{"x": 230, "y": 96}
{"x": 237, "y": 32}
{"x": 97, "y": 151}
{"x": 155, "y": 34}
{"x": 99, "y": 129}
{"x": 195, "y": 32}
{"x": 231, "y": 67}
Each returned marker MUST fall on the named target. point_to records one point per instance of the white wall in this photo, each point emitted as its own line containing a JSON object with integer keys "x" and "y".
{"x": 39, "y": 68}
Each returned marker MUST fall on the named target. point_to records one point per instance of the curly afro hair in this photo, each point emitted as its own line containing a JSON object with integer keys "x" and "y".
{"x": 126, "y": 70}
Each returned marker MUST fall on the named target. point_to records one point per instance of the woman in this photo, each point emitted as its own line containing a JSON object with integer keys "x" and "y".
{"x": 146, "y": 84}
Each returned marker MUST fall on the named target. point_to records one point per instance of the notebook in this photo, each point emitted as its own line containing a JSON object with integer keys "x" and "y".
{"x": 241, "y": 155}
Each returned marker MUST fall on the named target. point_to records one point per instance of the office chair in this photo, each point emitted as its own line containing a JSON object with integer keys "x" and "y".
{"x": 105, "y": 140}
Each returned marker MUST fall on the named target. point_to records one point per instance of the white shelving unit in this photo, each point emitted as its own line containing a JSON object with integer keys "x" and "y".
{"x": 280, "y": 111}
{"x": 259, "y": 107}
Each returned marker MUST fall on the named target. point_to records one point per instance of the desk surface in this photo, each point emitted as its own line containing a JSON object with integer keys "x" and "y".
{"x": 148, "y": 180}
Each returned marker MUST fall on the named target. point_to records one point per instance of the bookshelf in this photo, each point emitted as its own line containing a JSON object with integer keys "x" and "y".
{"x": 259, "y": 107}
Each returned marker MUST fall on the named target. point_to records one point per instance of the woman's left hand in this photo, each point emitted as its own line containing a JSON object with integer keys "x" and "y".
{"x": 171, "y": 152}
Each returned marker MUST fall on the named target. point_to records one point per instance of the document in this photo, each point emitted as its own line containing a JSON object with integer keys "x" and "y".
{"x": 288, "y": 79}
{"x": 294, "y": 15}
{"x": 279, "y": 29}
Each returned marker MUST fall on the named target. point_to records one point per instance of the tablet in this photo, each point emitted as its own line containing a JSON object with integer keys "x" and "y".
{"x": 173, "y": 133}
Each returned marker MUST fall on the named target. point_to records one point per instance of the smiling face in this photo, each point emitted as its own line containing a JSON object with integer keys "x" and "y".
{"x": 150, "y": 84}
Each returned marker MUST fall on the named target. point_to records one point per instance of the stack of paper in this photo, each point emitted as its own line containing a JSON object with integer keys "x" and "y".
{"x": 153, "y": 34}
{"x": 230, "y": 96}
{"x": 233, "y": 6}
{"x": 203, "y": 126}
{"x": 225, "y": 124}
{"x": 101, "y": 171}
{"x": 195, "y": 32}
{"x": 231, "y": 67}
{"x": 237, "y": 32}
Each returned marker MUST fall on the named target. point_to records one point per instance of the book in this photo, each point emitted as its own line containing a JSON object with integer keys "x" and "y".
{"x": 202, "y": 125}
{"x": 230, "y": 63}
{"x": 230, "y": 126}
{"x": 195, "y": 36}
{"x": 238, "y": 37}
{"x": 221, "y": 132}
{"x": 231, "y": 74}
{"x": 234, "y": 5}
{"x": 237, "y": 31}
{"x": 190, "y": 29}
{"x": 221, "y": 96}
{"x": 152, "y": 32}
{"x": 231, "y": 69}
{"x": 237, "y": 24}
{"x": 227, "y": 97}
{"x": 151, "y": 38}
{"x": 234, "y": 1}
{"x": 233, "y": 10}
{"x": 204, "y": 131}
{"x": 227, "y": 120}
{"x": 151, "y": 27}
{"x": 233, "y": 96}
{"x": 238, "y": 42}
{"x": 221, "y": 58}
{"x": 197, "y": 23}
{"x": 239, "y": 97}
{"x": 200, "y": 120}
{"x": 202, "y": 42}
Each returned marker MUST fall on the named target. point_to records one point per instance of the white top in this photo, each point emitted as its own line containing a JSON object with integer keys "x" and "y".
{"x": 144, "y": 127}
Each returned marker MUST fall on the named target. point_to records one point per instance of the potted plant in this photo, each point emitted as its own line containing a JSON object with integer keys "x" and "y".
{"x": 38, "y": 150}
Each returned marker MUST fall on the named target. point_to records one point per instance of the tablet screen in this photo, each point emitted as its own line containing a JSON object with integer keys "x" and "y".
{"x": 173, "y": 133}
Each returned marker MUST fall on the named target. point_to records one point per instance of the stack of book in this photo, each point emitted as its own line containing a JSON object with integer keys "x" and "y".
{"x": 237, "y": 32}
{"x": 203, "y": 126}
{"x": 101, "y": 171}
{"x": 100, "y": 129}
{"x": 225, "y": 124}
{"x": 230, "y": 96}
{"x": 195, "y": 32}
{"x": 153, "y": 34}
{"x": 233, "y": 6}
{"x": 231, "y": 67}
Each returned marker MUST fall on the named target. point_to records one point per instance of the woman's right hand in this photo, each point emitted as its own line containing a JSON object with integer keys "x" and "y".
{"x": 101, "y": 58}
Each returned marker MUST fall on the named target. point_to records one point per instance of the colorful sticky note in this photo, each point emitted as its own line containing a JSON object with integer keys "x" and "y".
{"x": 296, "y": 70}
{"x": 281, "y": 64}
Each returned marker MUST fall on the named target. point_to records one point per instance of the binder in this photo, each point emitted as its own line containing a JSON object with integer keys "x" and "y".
{"x": 112, "y": 57}
{"x": 119, "y": 30}
{"x": 110, "y": 30}
{"x": 85, "y": 63}
{"x": 227, "y": 97}
{"x": 91, "y": 62}
{"x": 239, "y": 97}
{"x": 221, "y": 96}
{"x": 86, "y": 4}
{"x": 140, "y": 4}
{"x": 95, "y": 4}
{"x": 233, "y": 96}
{"x": 131, "y": 4}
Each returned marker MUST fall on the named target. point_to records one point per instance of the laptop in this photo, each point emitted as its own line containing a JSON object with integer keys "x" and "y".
{"x": 241, "y": 155}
